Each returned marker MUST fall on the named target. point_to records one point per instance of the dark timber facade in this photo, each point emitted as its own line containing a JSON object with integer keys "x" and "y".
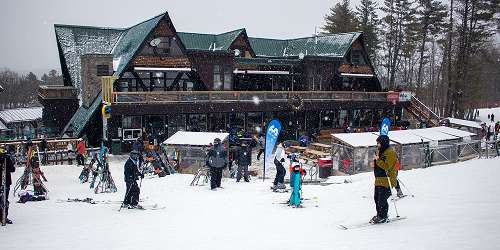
{"x": 167, "y": 81}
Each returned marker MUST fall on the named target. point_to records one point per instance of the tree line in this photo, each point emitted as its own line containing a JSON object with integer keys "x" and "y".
{"x": 20, "y": 90}
{"x": 444, "y": 51}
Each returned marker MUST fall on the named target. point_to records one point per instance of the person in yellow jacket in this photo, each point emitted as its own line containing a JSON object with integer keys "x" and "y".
{"x": 385, "y": 171}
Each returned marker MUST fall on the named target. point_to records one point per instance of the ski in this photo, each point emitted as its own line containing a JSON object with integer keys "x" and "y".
{"x": 145, "y": 207}
{"x": 367, "y": 224}
{"x": 92, "y": 201}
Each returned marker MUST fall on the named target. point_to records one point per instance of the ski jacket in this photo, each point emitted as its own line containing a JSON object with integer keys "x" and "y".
{"x": 131, "y": 172}
{"x": 80, "y": 148}
{"x": 384, "y": 166}
{"x": 217, "y": 157}
{"x": 5, "y": 158}
{"x": 244, "y": 156}
{"x": 280, "y": 153}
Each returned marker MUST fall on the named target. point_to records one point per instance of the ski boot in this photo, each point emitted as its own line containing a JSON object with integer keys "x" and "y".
{"x": 378, "y": 220}
{"x": 400, "y": 193}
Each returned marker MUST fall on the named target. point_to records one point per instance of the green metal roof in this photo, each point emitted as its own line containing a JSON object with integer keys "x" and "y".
{"x": 131, "y": 40}
{"x": 335, "y": 45}
{"x": 214, "y": 42}
{"x": 82, "y": 116}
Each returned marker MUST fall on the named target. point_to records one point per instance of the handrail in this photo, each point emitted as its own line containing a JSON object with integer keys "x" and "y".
{"x": 243, "y": 96}
{"x": 427, "y": 108}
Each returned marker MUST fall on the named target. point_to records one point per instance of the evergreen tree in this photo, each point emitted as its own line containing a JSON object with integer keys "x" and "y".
{"x": 368, "y": 24}
{"x": 341, "y": 19}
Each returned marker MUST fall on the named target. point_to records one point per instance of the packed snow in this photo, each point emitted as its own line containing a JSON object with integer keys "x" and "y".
{"x": 454, "y": 207}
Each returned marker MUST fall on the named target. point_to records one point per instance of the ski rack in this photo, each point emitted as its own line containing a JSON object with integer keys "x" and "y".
{"x": 106, "y": 183}
{"x": 203, "y": 173}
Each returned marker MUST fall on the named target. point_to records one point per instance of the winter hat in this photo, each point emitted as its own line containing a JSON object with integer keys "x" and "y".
{"x": 383, "y": 140}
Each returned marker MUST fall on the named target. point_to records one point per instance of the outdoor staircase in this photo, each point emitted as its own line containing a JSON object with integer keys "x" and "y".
{"x": 422, "y": 112}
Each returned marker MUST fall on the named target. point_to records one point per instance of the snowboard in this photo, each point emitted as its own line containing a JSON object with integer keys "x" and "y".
{"x": 367, "y": 224}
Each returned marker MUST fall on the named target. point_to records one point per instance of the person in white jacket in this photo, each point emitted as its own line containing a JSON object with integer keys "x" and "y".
{"x": 279, "y": 159}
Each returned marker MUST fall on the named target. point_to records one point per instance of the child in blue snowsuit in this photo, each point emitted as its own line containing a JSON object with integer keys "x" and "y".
{"x": 295, "y": 184}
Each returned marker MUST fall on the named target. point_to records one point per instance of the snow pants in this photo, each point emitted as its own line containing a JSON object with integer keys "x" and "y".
{"x": 380, "y": 196}
{"x": 280, "y": 172}
{"x": 132, "y": 194}
{"x": 242, "y": 170}
{"x": 215, "y": 177}
{"x": 7, "y": 204}
{"x": 80, "y": 160}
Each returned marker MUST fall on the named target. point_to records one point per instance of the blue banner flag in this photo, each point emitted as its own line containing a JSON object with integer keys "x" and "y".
{"x": 272, "y": 133}
{"x": 386, "y": 125}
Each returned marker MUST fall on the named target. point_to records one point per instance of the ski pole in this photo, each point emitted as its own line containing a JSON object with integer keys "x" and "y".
{"x": 409, "y": 192}
{"x": 392, "y": 196}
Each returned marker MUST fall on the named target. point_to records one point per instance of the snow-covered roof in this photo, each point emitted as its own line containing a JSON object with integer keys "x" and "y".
{"x": 453, "y": 131}
{"x": 465, "y": 123}
{"x": 194, "y": 138}
{"x": 366, "y": 139}
{"x": 405, "y": 137}
{"x": 2, "y": 126}
{"x": 432, "y": 134}
{"x": 21, "y": 115}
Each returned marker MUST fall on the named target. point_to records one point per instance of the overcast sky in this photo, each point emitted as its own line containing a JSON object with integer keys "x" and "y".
{"x": 27, "y": 40}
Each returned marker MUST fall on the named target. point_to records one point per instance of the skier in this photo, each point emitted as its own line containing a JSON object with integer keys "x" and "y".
{"x": 7, "y": 162}
{"x": 80, "y": 152}
{"x": 296, "y": 175}
{"x": 244, "y": 160}
{"x": 43, "y": 148}
{"x": 132, "y": 174}
{"x": 261, "y": 142}
{"x": 384, "y": 170}
{"x": 38, "y": 176}
{"x": 492, "y": 117}
{"x": 217, "y": 161}
{"x": 279, "y": 159}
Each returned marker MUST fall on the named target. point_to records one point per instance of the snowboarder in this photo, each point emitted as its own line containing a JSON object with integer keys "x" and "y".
{"x": 216, "y": 161}
{"x": 80, "y": 152}
{"x": 384, "y": 171}
{"x": 279, "y": 159}
{"x": 132, "y": 174}
{"x": 243, "y": 160}
{"x": 7, "y": 162}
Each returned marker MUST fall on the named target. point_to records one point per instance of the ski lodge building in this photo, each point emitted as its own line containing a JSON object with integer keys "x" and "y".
{"x": 165, "y": 81}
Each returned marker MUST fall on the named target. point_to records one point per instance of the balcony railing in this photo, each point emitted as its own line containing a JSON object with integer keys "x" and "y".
{"x": 242, "y": 96}
{"x": 57, "y": 92}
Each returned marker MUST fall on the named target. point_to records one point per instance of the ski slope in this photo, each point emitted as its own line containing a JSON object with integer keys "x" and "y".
{"x": 455, "y": 207}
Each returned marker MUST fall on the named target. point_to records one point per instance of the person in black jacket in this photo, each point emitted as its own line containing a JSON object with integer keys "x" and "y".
{"x": 6, "y": 162}
{"x": 132, "y": 174}
{"x": 243, "y": 159}
{"x": 217, "y": 161}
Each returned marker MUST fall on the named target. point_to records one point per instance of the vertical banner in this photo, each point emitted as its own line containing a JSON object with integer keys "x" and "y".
{"x": 273, "y": 130}
{"x": 385, "y": 126}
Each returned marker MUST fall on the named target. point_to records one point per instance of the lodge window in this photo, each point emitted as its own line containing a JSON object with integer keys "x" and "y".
{"x": 131, "y": 127}
{"x": 103, "y": 70}
{"x": 222, "y": 77}
{"x": 357, "y": 58}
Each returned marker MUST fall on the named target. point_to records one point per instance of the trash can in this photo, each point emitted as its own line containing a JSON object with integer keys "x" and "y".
{"x": 325, "y": 167}
{"x": 116, "y": 146}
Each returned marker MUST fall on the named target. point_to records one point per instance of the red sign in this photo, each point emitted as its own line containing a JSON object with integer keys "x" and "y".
{"x": 393, "y": 96}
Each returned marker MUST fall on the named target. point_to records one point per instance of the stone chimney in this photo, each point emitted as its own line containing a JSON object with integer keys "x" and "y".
{"x": 94, "y": 66}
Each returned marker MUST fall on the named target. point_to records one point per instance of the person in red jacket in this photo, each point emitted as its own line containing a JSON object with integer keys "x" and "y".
{"x": 80, "y": 152}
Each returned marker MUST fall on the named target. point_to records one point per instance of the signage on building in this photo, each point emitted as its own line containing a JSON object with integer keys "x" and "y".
{"x": 393, "y": 97}
{"x": 405, "y": 96}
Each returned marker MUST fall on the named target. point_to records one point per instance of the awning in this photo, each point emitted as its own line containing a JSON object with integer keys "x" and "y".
{"x": 357, "y": 75}
{"x": 161, "y": 69}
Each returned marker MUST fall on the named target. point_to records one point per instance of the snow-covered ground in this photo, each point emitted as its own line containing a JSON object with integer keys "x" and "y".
{"x": 455, "y": 206}
{"x": 483, "y": 115}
